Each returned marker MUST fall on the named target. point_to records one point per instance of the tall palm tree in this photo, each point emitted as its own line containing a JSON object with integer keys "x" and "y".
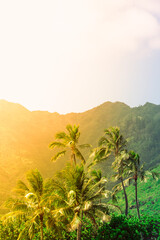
{"x": 69, "y": 141}
{"x": 78, "y": 195}
{"x": 120, "y": 166}
{"x": 114, "y": 143}
{"x": 131, "y": 169}
{"x": 30, "y": 206}
{"x": 137, "y": 171}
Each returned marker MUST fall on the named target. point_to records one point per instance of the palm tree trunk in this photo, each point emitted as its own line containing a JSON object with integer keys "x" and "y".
{"x": 137, "y": 204}
{"x": 41, "y": 226}
{"x": 79, "y": 232}
{"x": 73, "y": 158}
{"x": 125, "y": 195}
{"x": 136, "y": 193}
{"x": 79, "y": 227}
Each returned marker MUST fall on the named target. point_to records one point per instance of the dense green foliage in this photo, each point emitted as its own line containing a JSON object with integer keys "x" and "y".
{"x": 76, "y": 197}
{"x": 119, "y": 227}
{"x": 58, "y": 203}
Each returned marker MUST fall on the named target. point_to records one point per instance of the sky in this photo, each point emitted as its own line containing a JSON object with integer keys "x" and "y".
{"x": 70, "y": 56}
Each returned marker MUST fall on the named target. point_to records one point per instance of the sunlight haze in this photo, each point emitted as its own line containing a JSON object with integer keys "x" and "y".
{"x": 69, "y": 56}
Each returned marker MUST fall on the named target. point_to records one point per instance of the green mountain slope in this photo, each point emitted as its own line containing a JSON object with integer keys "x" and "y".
{"x": 25, "y": 136}
{"x": 148, "y": 197}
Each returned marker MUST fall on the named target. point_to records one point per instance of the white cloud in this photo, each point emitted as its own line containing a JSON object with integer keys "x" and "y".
{"x": 128, "y": 25}
{"x": 115, "y": 27}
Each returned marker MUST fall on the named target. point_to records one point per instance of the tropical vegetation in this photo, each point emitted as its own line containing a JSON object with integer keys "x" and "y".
{"x": 28, "y": 134}
{"x": 76, "y": 202}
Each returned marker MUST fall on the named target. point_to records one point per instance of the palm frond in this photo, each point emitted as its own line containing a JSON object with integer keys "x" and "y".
{"x": 106, "y": 193}
{"x": 75, "y": 222}
{"x": 56, "y": 144}
{"x": 21, "y": 188}
{"x": 96, "y": 174}
{"x": 104, "y": 217}
{"x": 31, "y": 230}
{"x": 83, "y": 146}
{"x": 103, "y": 140}
{"x": 11, "y": 216}
{"x": 118, "y": 187}
{"x": 127, "y": 181}
{"x": 58, "y": 155}
{"x": 61, "y": 135}
{"x": 79, "y": 155}
{"x": 114, "y": 207}
{"x": 155, "y": 175}
{"x": 36, "y": 182}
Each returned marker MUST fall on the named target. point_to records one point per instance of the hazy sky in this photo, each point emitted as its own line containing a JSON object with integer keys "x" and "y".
{"x": 72, "y": 55}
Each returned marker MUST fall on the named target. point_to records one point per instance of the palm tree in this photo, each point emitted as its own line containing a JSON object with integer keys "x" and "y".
{"x": 30, "y": 206}
{"x": 137, "y": 170}
{"x": 78, "y": 196}
{"x": 131, "y": 168}
{"x": 120, "y": 166}
{"x": 69, "y": 141}
{"x": 113, "y": 143}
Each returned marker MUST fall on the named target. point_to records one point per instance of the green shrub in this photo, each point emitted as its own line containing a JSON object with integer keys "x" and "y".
{"x": 129, "y": 228}
{"x": 119, "y": 228}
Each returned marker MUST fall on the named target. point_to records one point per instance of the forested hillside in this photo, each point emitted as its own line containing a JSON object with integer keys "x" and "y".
{"x": 25, "y": 136}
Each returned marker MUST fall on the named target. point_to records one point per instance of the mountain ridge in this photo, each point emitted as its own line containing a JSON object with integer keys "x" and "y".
{"x": 5, "y": 102}
{"x": 25, "y": 136}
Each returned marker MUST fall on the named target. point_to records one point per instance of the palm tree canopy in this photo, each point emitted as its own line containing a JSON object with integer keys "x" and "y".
{"x": 31, "y": 206}
{"x": 78, "y": 193}
{"x": 70, "y": 141}
{"x": 97, "y": 174}
{"x": 135, "y": 167}
{"x": 113, "y": 140}
{"x": 120, "y": 165}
